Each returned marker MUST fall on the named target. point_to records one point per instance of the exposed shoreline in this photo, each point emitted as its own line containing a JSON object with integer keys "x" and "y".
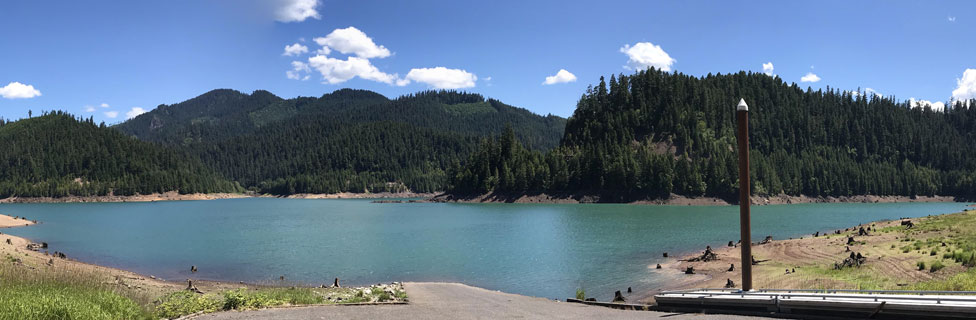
{"x": 686, "y": 201}
{"x": 487, "y": 198}
{"x": 176, "y": 196}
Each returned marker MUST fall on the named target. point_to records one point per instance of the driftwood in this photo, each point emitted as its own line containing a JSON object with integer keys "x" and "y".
{"x": 658, "y": 266}
{"x": 850, "y": 241}
{"x": 706, "y": 256}
{"x": 731, "y": 267}
{"x": 907, "y": 223}
{"x": 767, "y": 240}
{"x": 335, "y": 284}
{"x": 757, "y": 262}
{"x": 191, "y": 288}
{"x": 690, "y": 270}
{"x": 731, "y": 244}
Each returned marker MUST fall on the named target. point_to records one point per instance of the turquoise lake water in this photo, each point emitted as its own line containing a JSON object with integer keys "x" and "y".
{"x": 533, "y": 249}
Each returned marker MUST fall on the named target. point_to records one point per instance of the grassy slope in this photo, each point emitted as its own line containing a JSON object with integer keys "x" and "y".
{"x": 901, "y": 258}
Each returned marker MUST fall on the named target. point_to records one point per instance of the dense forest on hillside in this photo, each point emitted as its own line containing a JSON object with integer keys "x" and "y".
{"x": 345, "y": 141}
{"x": 56, "y": 155}
{"x": 653, "y": 133}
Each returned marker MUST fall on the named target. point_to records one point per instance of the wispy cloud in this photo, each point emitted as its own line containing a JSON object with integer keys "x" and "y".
{"x": 296, "y": 10}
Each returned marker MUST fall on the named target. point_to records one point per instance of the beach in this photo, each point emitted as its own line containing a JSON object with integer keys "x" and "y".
{"x": 10, "y": 222}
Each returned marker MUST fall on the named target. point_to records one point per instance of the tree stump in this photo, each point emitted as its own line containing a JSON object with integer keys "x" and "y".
{"x": 618, "y": 297}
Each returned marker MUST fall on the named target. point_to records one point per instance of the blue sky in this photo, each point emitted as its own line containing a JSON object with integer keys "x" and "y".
{"x": 134, "y": 55}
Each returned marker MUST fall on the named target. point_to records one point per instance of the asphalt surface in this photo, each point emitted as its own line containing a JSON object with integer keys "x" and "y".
{"x": 458, "y": 301}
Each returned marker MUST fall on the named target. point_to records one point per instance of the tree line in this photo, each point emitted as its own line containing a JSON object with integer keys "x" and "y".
{"x": 57, "y": 155}
{"x": 652, "y": 134}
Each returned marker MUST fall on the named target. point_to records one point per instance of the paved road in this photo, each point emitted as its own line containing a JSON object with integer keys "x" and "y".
{"x": 458, "y": 301}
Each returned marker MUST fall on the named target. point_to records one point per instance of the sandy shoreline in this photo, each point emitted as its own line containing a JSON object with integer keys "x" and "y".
{"x": 687, "y": 201}
{"x": 10, "y": 222}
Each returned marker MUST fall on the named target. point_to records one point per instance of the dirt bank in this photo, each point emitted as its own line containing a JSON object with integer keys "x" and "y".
{"x": 350, "y": 195}
{"x": 675, "y": 199}
{"x": 166, "y": 196}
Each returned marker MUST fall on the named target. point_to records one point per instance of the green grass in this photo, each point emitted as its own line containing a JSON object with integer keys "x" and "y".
{"x": 27, "y": 299}
{"x": 936, "y": 266}
{"x": 965, "y": 281}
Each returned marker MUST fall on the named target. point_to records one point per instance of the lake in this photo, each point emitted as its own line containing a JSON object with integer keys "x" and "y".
{"x": 545, "y": 250}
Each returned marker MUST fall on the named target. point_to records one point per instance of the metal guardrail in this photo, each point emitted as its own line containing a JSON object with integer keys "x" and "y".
{"x": 790, "y": 294}
{"x": 916, "y": 292}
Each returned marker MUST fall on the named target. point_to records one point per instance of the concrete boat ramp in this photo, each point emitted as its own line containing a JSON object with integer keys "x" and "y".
{"x": 813, "y": 304}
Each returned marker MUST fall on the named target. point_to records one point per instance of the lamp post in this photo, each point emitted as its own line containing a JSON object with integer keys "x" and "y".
{"x": 742, "y": 118}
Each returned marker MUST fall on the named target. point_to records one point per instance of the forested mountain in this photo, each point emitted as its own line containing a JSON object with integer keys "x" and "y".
{"x": 345, "y": 141}
{"x": 653, "y": 133}
{"x": 56, "y": 155}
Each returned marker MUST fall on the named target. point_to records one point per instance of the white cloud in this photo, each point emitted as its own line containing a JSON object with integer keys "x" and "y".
{"x": 937, "y": 106}
{"x": 351, "y": 40}
{"x": 89, "y": 108}
{"x": 644, "y": 55}
{"x": 338, "y": 71}
{"x": 965, "y": 86}
{"x": 323, "y": 51}
{"x": 296, "y": 10}
{"x": 295, "y": 49}
{"x": 562, "y": 76}
{"x": 768, "y": 68}
{"x": 104, "y": 105}
{"x": 111, "y": 114}
{"x": 810, "y": 77}
{"x": 299, "y": 71}
{"x": 17, "y": 90}
{"x": 134, "y": 112}
{"x": 441, "y": 78}
{"x": 952, "y": 19}
{"x": 487, "y": 79}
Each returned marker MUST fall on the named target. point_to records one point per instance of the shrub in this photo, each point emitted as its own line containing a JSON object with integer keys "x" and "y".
{"x": 182, "y": 303}
{"x": 921, "y": 265}
{"x": 936, "y": 266}
{"x": 580, "y": 294}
